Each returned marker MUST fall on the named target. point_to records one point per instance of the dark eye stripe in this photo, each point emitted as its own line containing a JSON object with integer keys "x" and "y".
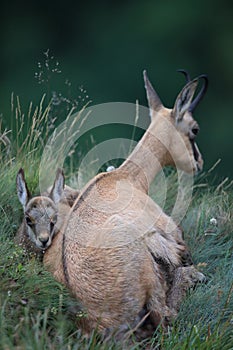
{"x": 195, "y": 152}
{"x": 29, "y": 221}
{"x": 52, "y": 224}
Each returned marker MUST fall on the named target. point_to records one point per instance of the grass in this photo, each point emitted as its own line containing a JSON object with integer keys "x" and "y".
{"x": 36, "y": 312}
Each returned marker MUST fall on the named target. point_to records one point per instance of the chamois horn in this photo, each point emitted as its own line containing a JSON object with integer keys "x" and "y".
{"x": 201, "y": 94}
{"x": 186, "y": 74}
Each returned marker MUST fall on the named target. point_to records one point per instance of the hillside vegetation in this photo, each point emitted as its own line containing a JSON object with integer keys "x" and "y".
{"x": 36, "y": 312}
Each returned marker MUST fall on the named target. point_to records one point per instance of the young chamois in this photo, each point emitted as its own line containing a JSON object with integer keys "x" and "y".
{"x": 117, "y": 251}
{"x": 41, "y": 213}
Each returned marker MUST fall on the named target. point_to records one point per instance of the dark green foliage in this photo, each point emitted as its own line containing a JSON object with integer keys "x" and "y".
{"x": 104, "y": 46}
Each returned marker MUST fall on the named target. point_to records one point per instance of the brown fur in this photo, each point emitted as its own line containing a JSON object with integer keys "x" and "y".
{"x": 116, "y": 274}
{"x": 116, "y": 250}
{"x": 22, "y": 236}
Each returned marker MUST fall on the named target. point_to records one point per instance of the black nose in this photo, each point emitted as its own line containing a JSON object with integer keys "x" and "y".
{"x": 44, "y": 240}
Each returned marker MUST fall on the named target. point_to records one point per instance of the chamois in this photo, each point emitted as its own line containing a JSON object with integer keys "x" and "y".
{"x": 116, "y": 247}
{"x": 136, "y": 277}
{"x": 41, "y": 213}
{"x": 23, "y": 235}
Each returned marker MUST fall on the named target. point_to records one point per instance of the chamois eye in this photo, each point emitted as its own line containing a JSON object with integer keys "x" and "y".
{"x": 29, "y": 221}
{"x": 53, "y": 222}
{"x": 195, "y": 131}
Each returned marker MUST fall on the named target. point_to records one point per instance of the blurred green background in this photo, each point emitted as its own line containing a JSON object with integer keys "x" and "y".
{"x": 103, "y": 46}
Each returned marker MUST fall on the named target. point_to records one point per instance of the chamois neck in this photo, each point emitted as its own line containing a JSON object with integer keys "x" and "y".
{"x": 148, "y": 158}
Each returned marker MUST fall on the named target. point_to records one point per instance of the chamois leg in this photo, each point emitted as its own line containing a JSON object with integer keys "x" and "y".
{"x": 159, "y": 312}
{"x": 142, "y": 328}
{"x": 183, "y": 279}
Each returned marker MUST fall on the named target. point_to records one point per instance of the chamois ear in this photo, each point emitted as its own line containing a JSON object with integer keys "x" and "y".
{"x": 22, "y": 189}
{"x": 184, "y": 100}
{"x": 154, "y": 101}
{"x": 58, "y": 186}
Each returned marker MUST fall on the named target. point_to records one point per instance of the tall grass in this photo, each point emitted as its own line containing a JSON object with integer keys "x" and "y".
{"x": 36, "y": 312}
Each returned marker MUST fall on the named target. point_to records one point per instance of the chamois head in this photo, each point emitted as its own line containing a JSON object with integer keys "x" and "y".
{"x": 41, "y": 212}
{"x": 182, "y": 149}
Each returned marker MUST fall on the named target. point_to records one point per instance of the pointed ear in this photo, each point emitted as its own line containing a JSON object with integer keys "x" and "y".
{"x": 22, "y": 189}
{"x": 154, "y": 101}
{"x": 184, "y": 100}
{"x": 58, "y": 187}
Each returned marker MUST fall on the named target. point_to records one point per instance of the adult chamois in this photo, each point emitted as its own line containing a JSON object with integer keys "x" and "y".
{"x": 116, "y": 250}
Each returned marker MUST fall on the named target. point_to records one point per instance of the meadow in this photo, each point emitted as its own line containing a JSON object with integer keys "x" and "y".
{"x": 36, "y": 311}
